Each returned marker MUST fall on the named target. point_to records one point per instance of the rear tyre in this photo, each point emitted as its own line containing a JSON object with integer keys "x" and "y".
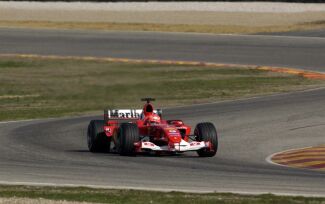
{"x": 207, "y": 132}
{"x": 96, "y": 138}
{"x": 128, "y": 135}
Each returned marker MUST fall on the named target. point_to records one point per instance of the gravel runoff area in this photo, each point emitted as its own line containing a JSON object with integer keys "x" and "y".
{"x": 201, "y": 13}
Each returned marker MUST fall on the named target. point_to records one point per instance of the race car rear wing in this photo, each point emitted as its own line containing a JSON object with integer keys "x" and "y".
{"x": 126, "y": 114}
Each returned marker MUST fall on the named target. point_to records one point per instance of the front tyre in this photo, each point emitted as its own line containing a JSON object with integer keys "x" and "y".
{"x": 96, "y": 138}
{"x": 128, "y": 135}
{"x": 207, "y": 132}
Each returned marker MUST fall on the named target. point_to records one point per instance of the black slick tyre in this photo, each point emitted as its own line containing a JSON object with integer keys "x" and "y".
{"x": 96, "y": 138}
{"x": 128, "y": 135}
{"x": 207, "y": 132}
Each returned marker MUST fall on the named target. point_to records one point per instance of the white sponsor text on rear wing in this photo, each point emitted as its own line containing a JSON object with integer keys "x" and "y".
{"x": 126, "y": 114}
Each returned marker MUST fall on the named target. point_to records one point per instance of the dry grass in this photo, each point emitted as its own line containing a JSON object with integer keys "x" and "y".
{"x": 218, "y": 29}
{"x": 136, "y": 196}
{"x": 15, "y": 200}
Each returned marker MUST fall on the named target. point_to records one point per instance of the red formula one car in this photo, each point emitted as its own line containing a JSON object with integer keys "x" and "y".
{"x": 130, "y": 131}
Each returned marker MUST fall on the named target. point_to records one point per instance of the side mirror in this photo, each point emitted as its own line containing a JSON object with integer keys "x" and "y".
{"x": 159, "y": 112}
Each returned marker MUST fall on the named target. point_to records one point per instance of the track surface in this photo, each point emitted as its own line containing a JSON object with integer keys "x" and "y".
{"x": 297, "y": 52}
{"x": 54, "y": 151}
{"x": 307, "y": 33}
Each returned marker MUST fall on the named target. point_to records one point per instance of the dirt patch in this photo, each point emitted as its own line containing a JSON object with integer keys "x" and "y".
{"x": 163, "y": 17}
{"x": 202, "y": 17}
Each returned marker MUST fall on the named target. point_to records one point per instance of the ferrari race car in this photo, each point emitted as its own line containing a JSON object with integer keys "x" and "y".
{"x": 131, "y": 131}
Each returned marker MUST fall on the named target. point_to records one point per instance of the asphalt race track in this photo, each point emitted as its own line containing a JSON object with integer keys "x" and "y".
{"x": 305, "y": 33}
{"x": 54, "y": 151}
{"x": 297, "y": 52}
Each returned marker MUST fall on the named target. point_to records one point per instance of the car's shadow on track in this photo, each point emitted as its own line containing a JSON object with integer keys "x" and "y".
{"x": 145, "y": 154}
{"x": 78, "y": 150}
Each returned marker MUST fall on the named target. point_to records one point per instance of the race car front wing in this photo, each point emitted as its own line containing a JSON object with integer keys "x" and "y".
{"x": 183, "y": 146}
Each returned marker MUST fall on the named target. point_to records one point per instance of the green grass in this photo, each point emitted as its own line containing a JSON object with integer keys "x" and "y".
{"x": 135, "y": 196}
{"x": 38, "y": 88}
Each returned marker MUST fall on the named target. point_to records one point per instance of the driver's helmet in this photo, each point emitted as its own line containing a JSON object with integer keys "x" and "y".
{"x": 153, "y": 119}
